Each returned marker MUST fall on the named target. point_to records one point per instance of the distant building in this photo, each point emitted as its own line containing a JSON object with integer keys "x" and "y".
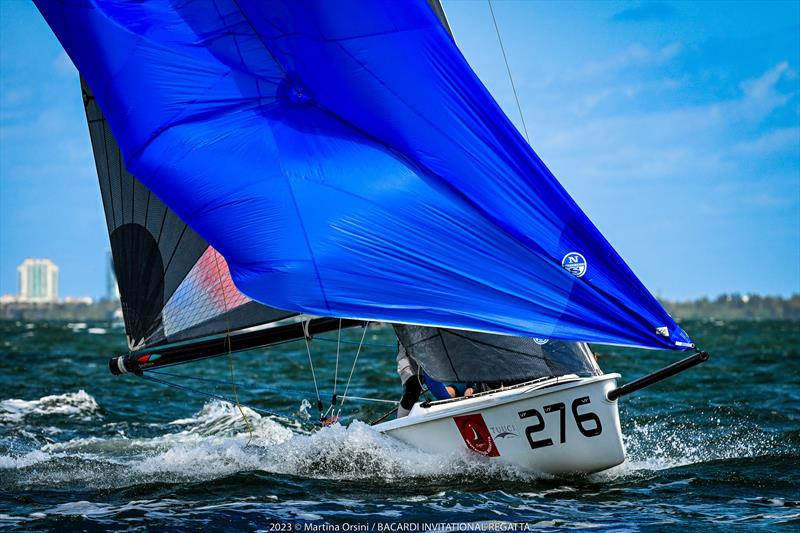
{"x": 77, "y": 300}
{"x": 38, "y": 281}
{"x": 112, "y": 289}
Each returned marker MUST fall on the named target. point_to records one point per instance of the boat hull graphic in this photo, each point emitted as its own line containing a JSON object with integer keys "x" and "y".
{"x": 557, "y": 426}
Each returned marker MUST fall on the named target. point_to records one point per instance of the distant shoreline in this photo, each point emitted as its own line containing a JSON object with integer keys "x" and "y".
{"x": 725, "y": 306}
{"x": 95, "y": 311}
{"x": 736, "y": 307}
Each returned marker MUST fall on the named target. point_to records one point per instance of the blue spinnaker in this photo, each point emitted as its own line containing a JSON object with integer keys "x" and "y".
{"x": 346, "y": 161}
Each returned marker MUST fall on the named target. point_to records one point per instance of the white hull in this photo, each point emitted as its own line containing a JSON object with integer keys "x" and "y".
{"x": 549, "y": 426}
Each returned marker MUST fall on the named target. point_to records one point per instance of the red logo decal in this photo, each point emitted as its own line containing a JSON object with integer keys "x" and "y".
{"x": 476, "y": 435}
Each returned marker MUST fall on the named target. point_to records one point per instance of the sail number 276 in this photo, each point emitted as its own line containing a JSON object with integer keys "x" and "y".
{"x": 588, "y": 423}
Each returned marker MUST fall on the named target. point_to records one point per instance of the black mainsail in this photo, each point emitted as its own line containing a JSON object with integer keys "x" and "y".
{"x": 173, "y": 286}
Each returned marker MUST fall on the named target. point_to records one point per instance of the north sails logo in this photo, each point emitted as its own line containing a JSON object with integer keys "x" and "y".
{"x": 540, "y": 341}
{"x": 575, "y": 264}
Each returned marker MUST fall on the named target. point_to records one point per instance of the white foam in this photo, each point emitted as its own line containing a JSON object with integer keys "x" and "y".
{"x": 96, "y": 331}
{"x": 660, "y": 445}
{"x": 70, "y": 403}
{"x": 82, "y": 508}
{"x": 22, "y": 461}
{"x": 214, "y": 443}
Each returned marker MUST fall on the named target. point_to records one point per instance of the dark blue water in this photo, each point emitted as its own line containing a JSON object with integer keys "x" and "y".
{"x": 716, "y": 448}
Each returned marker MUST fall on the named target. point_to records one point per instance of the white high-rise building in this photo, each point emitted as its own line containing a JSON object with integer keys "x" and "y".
{"x": 38, "y": 281}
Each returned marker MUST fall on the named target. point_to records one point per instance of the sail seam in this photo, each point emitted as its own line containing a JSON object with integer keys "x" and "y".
{"x": 447, "y": 353}
{"x": 174, "y": 249}
{"x": 108, "y": 171}
{"x": 308, "y": 243}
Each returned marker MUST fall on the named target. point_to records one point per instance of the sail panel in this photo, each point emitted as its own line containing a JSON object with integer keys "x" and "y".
{"x": 173, "y": 285}
{"x": 457, "y": 356}
{"x": 346, "y": 161}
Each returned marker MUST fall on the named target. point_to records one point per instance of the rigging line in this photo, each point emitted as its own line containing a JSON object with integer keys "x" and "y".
{"x": 355, "y": 360}
{"x": 276, "y": 390}
{"x": 345, "y": 341}
{"x": 385, "y": 416}
{"x": 311, "y": 364}
{"x": 394, "y": 410}
{"x": 218, "y": 397}
{"x": 228, "y": 343}
{"x": 508, "y": 69}
{"x": 336, "y": 371}
{"x": 366, "y": 399}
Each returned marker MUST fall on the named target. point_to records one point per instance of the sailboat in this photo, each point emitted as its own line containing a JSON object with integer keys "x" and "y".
{"x": 271, "y": 171}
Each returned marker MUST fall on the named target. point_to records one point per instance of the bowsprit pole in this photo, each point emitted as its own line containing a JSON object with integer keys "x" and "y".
{"x": 659, "y": 375}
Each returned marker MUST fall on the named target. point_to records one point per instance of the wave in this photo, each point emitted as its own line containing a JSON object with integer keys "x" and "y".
{"x": 666, "y": 444}
{"x": 216, "y": 443}
{"x": 71, "y": 403}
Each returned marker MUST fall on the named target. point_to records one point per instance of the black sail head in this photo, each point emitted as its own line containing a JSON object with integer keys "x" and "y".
{"x": 173, "y": 286}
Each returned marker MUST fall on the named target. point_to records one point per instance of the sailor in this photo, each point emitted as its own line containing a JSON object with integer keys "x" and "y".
{"x": 458, "y": 390}
{"x": 410, "y": 377}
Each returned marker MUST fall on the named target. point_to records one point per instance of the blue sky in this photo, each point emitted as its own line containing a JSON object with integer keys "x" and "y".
{"x": 676, "y": 126}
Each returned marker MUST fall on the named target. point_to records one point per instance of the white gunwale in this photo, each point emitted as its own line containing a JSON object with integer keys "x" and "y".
{"x": 459, "y": 406}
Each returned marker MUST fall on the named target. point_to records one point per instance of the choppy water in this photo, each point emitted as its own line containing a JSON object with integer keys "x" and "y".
{"x": 715, "y": 448}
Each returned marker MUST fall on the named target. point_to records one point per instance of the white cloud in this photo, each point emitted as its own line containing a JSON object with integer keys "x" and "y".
{"x": 703, "y": 141}
{"x": 769, "y": 143}
{"x": 632, "y": 56}
{"x": 15, "y": 96}
{"x": 761, "y": 95}
{"x": 62, "y": 65}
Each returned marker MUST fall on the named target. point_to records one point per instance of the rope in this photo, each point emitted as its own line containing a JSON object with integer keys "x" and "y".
{"x": 277, "y": 390}
{"x": 394, "y": 410}
{"x": 508, "y": 69}
{"x": 313, "y": 374}
{"x": 345, "y": 341}
{"x": 384, "y": 416}
{"x": 364, "y": 399}
{"x": 221, "y": 398}
{"x": 355, "y": 360}
{"x": 230, "y": 352}
{"x": 336, "y": 371}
